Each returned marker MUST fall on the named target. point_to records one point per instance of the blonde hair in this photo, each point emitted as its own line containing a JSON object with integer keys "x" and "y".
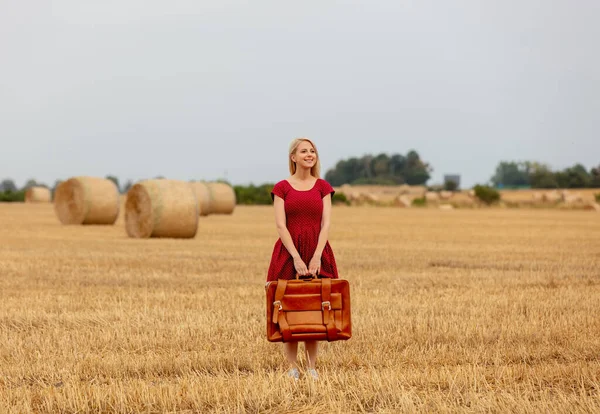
{"x": 315, "y": 171}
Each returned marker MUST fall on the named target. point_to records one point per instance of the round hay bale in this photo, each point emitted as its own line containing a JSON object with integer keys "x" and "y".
{"x": 552, "y": 196}
{"x": 537, "y": 196}
{"x": 403, "y": 201}
{"x": 431, "y": 196}
{"x": 371, "y": 198}
{"x": 446, "y": 195}
{"x": 345, "y": 188}
{"x": 87, "y": 200}
{"x": 38, "y": 195}
{"x": 161, "y": 208}
{"x": 222, "y": 198}
{"x": 403, "y": 189}
{"x": 572, "y": 198}
{"x": 418, "y": 190}
{"x": 203, "y": 194}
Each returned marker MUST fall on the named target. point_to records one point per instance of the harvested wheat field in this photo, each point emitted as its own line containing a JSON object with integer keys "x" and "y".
{"x": 483, "y": 310}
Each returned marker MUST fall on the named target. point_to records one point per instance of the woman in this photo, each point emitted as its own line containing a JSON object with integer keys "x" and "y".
{"x": 302, "y": 214}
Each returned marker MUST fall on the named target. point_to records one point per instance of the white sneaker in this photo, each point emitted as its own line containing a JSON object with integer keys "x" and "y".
{"x": 294, "y": 373}
{"x": 312, "y": 373}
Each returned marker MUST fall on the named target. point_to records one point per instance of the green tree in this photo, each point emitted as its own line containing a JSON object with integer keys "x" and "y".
{"x": 511, "y": 174}
{"x": 30, "y": 183}
{"x": 397, "y": 165}
{"x": 595, "y": 177}
{"x": 380, "y": 169}
{"x": 541, "y": 176}
{"x": 381, "y": 165}
{"x": 8, "y": 185}
{"x": 574, "y": 177}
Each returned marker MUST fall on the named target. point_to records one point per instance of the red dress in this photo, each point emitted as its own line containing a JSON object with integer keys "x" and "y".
{"x": 303, "y": 213}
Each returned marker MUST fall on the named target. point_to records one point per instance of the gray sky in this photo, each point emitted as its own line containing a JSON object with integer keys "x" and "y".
{"x": 203, "y": 90}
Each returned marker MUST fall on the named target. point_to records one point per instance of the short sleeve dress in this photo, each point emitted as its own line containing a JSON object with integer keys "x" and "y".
{"x": 303, "y": 213}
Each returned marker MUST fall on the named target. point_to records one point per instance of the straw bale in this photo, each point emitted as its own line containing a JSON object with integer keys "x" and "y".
{"x": 564, "y": 194}
{"x": 402, "y": 201}
{"x": 204, "y": 197}
{"x": 537, "y": 196}
{"x": 38, "y": 195}
{"x": 345, "y": 188}
{"x": 222, "y": 198}
{"x": 572, "y": 198}
{"x": 432, "y": 196}
{"x": 418, "y": 190}
{"x": 87, "y": 200}
{"x": 446, "y": 207}
{"x": 446, "y": 195}
{"x": 371, "y": 198}
{"x": 161, "y": 208}
{"x": 403, "y": 189}
{"x": 552, "y": 196}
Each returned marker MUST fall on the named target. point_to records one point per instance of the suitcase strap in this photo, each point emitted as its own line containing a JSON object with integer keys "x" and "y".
{"x": 278, "y": 314}
{"x": 328, "y": 317}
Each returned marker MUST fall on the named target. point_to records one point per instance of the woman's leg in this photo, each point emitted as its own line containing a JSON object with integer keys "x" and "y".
{"x": 291, "y": 353}
{"x": 312, "y": 348}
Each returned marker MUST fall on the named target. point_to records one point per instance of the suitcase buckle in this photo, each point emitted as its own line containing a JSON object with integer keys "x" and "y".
{"x": 326, "y": 303}
{"x": 278, "y": 303}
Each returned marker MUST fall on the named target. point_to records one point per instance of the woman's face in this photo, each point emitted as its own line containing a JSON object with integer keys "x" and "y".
{"x": 305, "y": 155}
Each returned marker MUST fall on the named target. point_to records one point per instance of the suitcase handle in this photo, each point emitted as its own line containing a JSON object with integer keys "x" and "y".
{"x": 306, "y": 278}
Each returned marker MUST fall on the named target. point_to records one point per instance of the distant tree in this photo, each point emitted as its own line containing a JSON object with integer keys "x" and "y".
{"x": 416, "y": 172}
{"x": 595, "y": 177}
{"x": 511, "y": 174}
{"x": 380, "y": 165}
{"x": 380, "y": 169}
{"x": 115, "y": 180}
{"x": 541, "y": 176}
{"x": 397, "y": 164}
{"x": 8, "y": 185}
{"x": 574, "y": 177}
{"x": 30, "y": 183}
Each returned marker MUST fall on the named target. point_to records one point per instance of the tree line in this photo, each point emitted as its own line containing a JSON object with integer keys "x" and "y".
{"x": 380, "y": 169}
{"x": 384, "y": 169}
{"x": 538, "y": 175}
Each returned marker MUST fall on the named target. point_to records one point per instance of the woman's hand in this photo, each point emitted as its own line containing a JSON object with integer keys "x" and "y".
{"x": 315, "y": 265}
{"x": 300, "y": 266}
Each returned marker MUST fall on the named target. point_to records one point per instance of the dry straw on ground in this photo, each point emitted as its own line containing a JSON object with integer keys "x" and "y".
{"x": 161, "y": 208}
{"x": 466, "y": 311}
{"x": 87, "y": 200}
{"x": 38, "y": 195}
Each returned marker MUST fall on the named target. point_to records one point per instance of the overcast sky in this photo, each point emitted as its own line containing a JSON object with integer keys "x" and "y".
{"x": 218, "y": 89}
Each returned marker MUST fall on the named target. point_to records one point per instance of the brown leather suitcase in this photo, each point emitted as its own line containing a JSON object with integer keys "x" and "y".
{"x": 308, "y": 309}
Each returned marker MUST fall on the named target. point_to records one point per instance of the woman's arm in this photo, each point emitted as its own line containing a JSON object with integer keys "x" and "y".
{"x": 286, "y": 237}
{"x": 315, "y": 262}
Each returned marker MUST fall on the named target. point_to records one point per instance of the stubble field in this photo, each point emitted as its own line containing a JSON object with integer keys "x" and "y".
{"x": 453, "y": 311}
